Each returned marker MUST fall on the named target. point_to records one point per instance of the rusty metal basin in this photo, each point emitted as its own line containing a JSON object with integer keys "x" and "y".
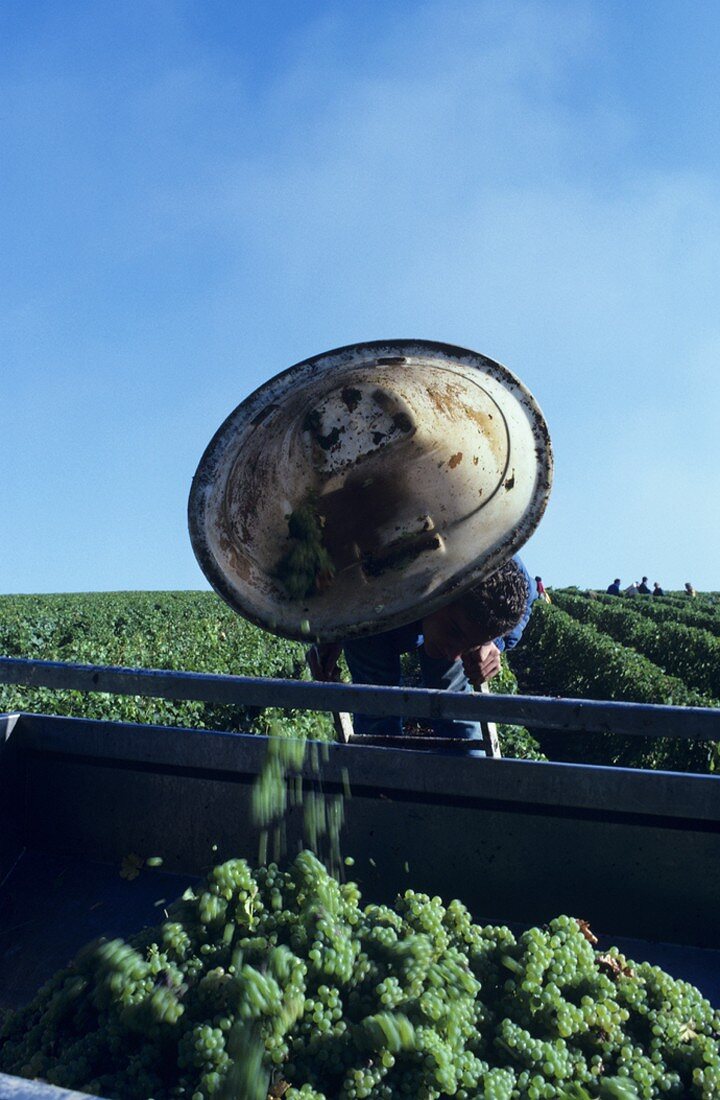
{"x": 420, "y": 466}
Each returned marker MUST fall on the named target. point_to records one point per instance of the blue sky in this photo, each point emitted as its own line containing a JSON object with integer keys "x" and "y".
{"x": 196, "y": 194}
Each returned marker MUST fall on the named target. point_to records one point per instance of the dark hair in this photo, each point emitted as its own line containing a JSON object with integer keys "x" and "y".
{"x": 500, "y": 600}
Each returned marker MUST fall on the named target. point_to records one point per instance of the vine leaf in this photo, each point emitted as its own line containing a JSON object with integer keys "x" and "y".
{"x": 130, "y": 866}
{"x": 616, "y": 965}
{"x": 278, "y": 1089}
{"x": 587, "y": 932}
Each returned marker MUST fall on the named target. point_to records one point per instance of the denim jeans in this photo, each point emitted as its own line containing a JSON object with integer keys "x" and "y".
{"x": 376, "y": 660}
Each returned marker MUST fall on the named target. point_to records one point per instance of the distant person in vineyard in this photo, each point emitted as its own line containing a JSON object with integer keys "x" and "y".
{"x": 643, "y": 587}
{"x": 458, "y": 646}
{"x": 689, "y": 590}
{"x": 614, "y": 588}
{"x": 657, "y": 590}
{"x": 632, "y": 589}
{"x": 542, "y": 593}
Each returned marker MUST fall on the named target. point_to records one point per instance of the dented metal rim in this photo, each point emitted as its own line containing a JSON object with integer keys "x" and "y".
{"x": 377, "y": 433}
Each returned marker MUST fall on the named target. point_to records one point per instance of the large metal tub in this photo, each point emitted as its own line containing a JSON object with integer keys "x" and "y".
{"x": 635, "y": 853}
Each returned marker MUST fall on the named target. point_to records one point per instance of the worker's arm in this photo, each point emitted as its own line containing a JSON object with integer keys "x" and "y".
{"x": 323, "y": 661}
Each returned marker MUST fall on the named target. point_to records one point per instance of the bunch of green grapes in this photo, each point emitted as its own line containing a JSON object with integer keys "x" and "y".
{"x": 305, "y": 566}
{"x": 280, "y": 982}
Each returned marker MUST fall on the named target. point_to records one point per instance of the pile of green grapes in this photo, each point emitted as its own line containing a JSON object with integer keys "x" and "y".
{"x": 306, "y": 565}
{"x": 278, "y": 983}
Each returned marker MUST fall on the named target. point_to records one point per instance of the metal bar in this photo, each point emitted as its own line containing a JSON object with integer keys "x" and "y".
{"x": 491, "y": 741}
{"x": 343, "y": 726}
{"x": 373, "y": 765}
{"x": 587, "y": 715}
{"x": 418, "y": 741}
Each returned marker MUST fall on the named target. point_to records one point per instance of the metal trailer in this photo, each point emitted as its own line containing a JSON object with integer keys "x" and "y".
{"x": 636, "y": 853}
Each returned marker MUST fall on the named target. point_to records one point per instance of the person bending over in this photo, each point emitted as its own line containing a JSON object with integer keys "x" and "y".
{"x": 458, "y": 647}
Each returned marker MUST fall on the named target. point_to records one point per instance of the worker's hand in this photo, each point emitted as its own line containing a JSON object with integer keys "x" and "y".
{"x": 481, "y": 663}
{"x": 323, "y": 661}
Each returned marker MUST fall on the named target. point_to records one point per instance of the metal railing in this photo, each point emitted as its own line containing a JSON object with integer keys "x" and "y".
{"x": 580, "y": 715}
